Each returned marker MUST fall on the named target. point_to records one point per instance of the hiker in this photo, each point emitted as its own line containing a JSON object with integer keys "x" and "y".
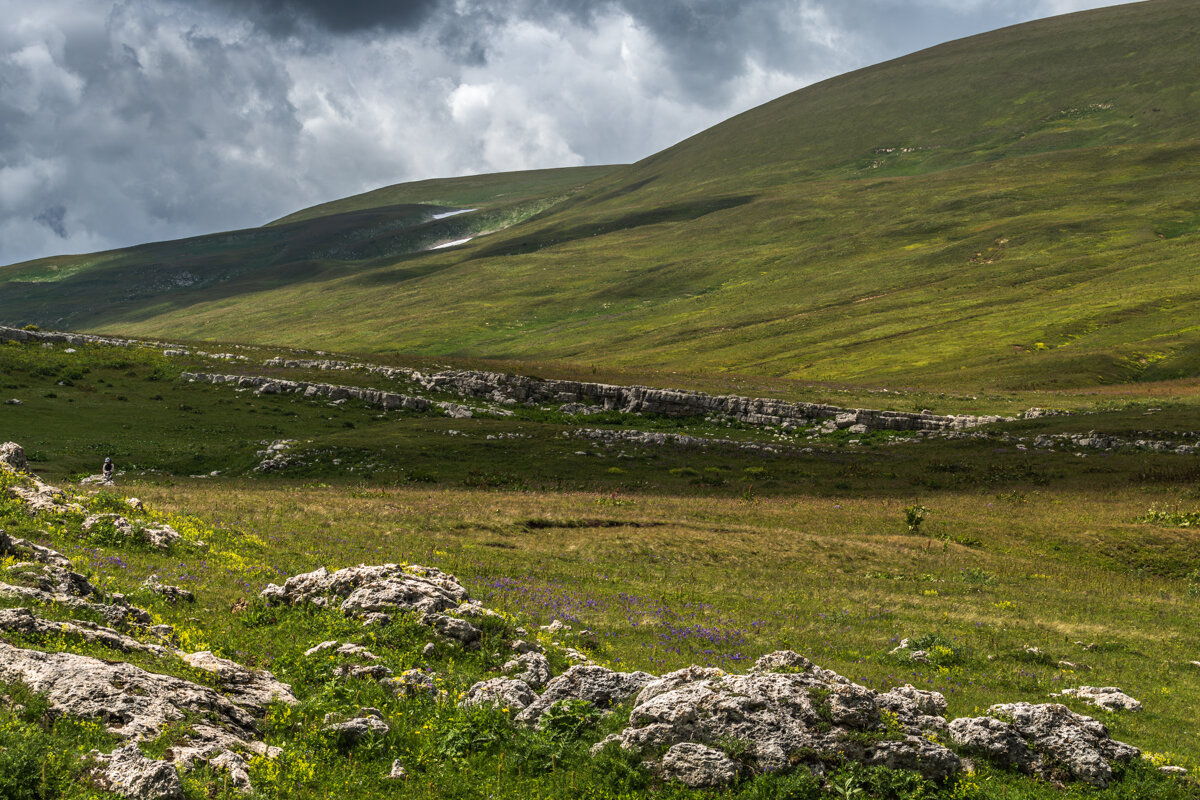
{"x": 107, "y": 471}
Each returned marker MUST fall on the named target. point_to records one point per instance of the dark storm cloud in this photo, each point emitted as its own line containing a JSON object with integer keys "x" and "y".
{"x": 53, "y": 218}
{"x": 283, "y": 17}
{"x": 135, "y": 120}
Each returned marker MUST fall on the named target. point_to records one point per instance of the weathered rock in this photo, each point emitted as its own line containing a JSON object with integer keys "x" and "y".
{"x": 119, "y": 613}
{"x": 44, "y": 498}
{"x": 930, "y": 703}
{"x": 23, "y": 620}
{"x": 157, "y": 535}
{"x": 454, "y": 629}
{"x": 354, "y": 730}
{"x": 786, "y": 706}
{"x": 12, "y": 457}
{"x": 131, "y": 702}
{"x": 346, "y": 649}
{"x": 321, "y": 648}
{"x": 697, "y": 766}
{"x": 375, "y": 671}
{"x": 128, "y": 772}
{"x": 120, "y": 524}
{"x": 398, "y": 772}
{"x": 1049, "y": 740}
{"x": 410, "y": 587}
{"x": 233, "y": 765}
{"x": 532, "y": 668}
{"x": 506, "y": 693}
{"x": 600, "y": 686}
{"x": 402, "y": 592}
{"x": 20, "y": 548}
{"x": 1109, "y": 698}
{"x": 250, "y": 688}
{"x": 789, "y": 662}
{"x": 49, "y": 578}
{"x": 412, "y": 682}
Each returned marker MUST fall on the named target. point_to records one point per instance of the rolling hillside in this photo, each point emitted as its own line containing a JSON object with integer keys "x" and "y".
{"x": 1014, "y": 209}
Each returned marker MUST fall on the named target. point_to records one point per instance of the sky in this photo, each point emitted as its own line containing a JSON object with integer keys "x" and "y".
{"x": 127, "y": 121}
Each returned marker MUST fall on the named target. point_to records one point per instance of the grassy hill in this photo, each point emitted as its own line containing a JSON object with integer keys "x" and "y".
{"x": 1012, "y": 210}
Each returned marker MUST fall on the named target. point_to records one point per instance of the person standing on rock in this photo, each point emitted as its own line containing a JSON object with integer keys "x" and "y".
{"x": 107, "y": 471}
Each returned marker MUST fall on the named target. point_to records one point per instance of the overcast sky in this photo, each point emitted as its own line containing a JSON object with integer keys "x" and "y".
{"x": 139, "y": 120}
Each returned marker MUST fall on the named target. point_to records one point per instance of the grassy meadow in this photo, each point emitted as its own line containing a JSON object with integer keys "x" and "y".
{"x": 670, "y": 556}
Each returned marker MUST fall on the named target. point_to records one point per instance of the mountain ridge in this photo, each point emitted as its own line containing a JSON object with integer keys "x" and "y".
{"x": 1011, "y": 209}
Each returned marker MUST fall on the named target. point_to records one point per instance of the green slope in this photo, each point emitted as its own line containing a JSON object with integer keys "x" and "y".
{"x": 1016, "y": 209}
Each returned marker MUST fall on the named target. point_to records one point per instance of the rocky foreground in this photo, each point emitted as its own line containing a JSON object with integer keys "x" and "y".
{"x": 785, "y": 713}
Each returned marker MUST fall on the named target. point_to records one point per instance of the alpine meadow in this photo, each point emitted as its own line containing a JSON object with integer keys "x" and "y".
{"x": 847, "y": 449}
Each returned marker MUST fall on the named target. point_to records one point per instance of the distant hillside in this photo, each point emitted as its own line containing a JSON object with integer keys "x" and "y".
{"x": 1013, "y": 209}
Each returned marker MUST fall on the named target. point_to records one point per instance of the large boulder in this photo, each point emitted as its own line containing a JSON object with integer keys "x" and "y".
{"x": 786, "y": 706}
{"x": 1049, "y": 740}
{"x": 12, "y": 457}
{"x": 373, "y": 589}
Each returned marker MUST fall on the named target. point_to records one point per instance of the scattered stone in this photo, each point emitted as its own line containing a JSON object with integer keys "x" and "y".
{"x": 1109, "y": 698}
{"x": 119, "y": 613}
{"x": 128, "y": 772}
{"x": 454, "y": 629}
{"x": 376, "y": 671}
{"x": 600, "y": 686}
{"x": 398, "y": 772}
{"x": 428, "y": 649}
{"x": 352, "y": 731}
{"x": 1174, "y": 771}
{"x": 507, "y": 693}
{"x": 154, "y": 584}
{"x": 697, "y": 766}
{"x": 1048, "y": 740}
{"x": 412, "y": 682}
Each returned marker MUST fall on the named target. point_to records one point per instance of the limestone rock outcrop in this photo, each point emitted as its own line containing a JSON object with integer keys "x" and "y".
{"x": 126, "y": 771}
{"x": 507, "y": 693}
{"x": 600, "y": 686}
{"x": 785, "y": 706}
{"x": 1109, "y": 698}
{"x": 1048, "y": 740}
